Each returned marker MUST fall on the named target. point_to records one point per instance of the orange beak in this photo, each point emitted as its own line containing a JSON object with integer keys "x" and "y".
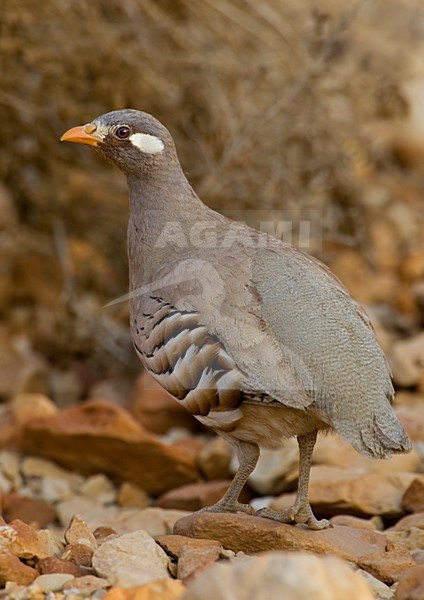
{"x": 81, "y": 135}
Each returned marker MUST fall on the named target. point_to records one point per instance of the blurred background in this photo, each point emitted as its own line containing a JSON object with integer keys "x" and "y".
{"x": 273, "y": 104}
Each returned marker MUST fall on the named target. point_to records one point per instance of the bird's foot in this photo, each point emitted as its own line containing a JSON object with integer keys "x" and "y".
{"x": 228, "y": 506}
{"x": 299, "y": 513}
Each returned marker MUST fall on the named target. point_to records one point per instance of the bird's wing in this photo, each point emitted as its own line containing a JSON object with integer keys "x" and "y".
{"x": 216, "y": 302}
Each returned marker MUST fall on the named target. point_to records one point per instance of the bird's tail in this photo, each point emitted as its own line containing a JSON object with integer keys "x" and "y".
{"x": 380, "y": 435}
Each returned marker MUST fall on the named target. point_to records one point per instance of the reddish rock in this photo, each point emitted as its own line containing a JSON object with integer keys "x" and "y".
{"x": 190, "y": 447}
{"x": 12, "y": 569}
{"x": 79, "y": 554}
{"x": 32, "y": 511}
{"x": 335, "y": 490}
{"x": 24, "y": 541}
{"x": 53, "y": 564}
{"x": 101, "y": 533}
{"x": 370, "y": 550}
{"x": 194, "y": 560}
{"x": 411, "y": 584}
{"x": 413, "y": 498}
{"x": 98, "y": 436}
{"x": 156, "y": 410}
{"x": 197, "y": 495}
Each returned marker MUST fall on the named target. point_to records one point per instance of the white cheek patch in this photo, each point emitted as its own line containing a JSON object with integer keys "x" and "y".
{"x": 150, "y": 144}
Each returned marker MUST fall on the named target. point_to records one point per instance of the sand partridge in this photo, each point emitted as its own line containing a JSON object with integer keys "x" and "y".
{"x": 258, "y": 340}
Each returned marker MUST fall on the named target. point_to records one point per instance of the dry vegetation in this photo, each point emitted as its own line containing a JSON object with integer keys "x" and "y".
{"x": 272, "y": 104}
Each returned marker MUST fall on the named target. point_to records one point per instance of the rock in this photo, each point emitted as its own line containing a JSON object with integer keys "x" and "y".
{"x": 114, "y": 389}
{"x": 413, "y": 498}
{"x": 196, "y": 495}
{"x": 21, "y": 369}
{"x": 158, "y": 521}
{"x": 277, "y": 575}
{"x": 412, "y": 538}
{"x": 350, "y": 521}
{"x": 354, "y": 491}
{"x": 43, "y": 468}
{"x": 66, "y": 387}
{"x": 173, "y": 544}
{"x": 100, "y": 488}
{"x": 370, "y": 550}
{"x": 101, "y": 533}
{"x": 55, "y": 490}
{"x": 214, "y": 459}
{"x": 154, "y": 520}
{"x": 98, "y": 436}
{"x": 131, "y": 559}
{"x": 270, "y": 475}
{"x": 78, "y": 532}
{"x": 23, "y": 541}
{"x": 86, "y": 585}
{"x": 193, "y": 560}
{"x": 12, "y": 569}
{"x": 418, "y": 555}
{"x": 414, "y": 520}
{"x": 411, "y": 584}
{"x": 156, "y": 410}
{"x": 10, "y": 467}
{"x": 380, "y": 590}
{"x": 32, "y": 511}
{"x": 410, "y": 412}
{"x": 53, "y": 564}
{"x": 407, "y": 360}
{"x": 409, "y": 531}
{"x": 193, "y": 555}
{"x": 190, "y": 446}
{"x": 161, "y": 589}
{"x": 79, "y": 554}
{"x": 53, "y": 582}
{"x": 5, "y": 483}
{"x": 22, "y": 409}
{"x": 132, "y": 496}
{"x": 333, "y": 450}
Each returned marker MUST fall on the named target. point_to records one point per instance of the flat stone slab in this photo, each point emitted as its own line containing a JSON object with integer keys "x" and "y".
{"x": 370, "y": 550}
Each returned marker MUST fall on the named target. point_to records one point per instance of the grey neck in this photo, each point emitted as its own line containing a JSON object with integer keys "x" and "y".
{"x": 163, "y": 210}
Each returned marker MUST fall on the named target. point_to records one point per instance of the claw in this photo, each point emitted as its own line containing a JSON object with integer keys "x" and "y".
{"x": 232, "y": 507}
{"x": 299, "y": 514}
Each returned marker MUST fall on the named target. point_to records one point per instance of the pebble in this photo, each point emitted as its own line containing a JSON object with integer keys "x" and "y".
{"x": 52, "y": 582}
{"x": 130, "y": 560}
{"x": 277, "y": 575}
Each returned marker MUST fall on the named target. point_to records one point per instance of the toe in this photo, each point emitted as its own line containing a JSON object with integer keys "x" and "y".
{"x": 313, "y": 523}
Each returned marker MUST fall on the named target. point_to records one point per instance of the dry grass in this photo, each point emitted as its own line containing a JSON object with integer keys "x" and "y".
{"x": 271, "y": 104}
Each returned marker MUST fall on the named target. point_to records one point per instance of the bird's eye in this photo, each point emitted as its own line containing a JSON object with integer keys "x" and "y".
{"x": 123, "y": 133}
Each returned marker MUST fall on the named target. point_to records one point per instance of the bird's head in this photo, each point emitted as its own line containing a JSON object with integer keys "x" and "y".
{"x": 134, "y": 141}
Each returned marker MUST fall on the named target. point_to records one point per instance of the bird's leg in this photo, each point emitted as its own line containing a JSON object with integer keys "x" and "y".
{"x": 247, "y": 455}
{"x": 301, "y": 511}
